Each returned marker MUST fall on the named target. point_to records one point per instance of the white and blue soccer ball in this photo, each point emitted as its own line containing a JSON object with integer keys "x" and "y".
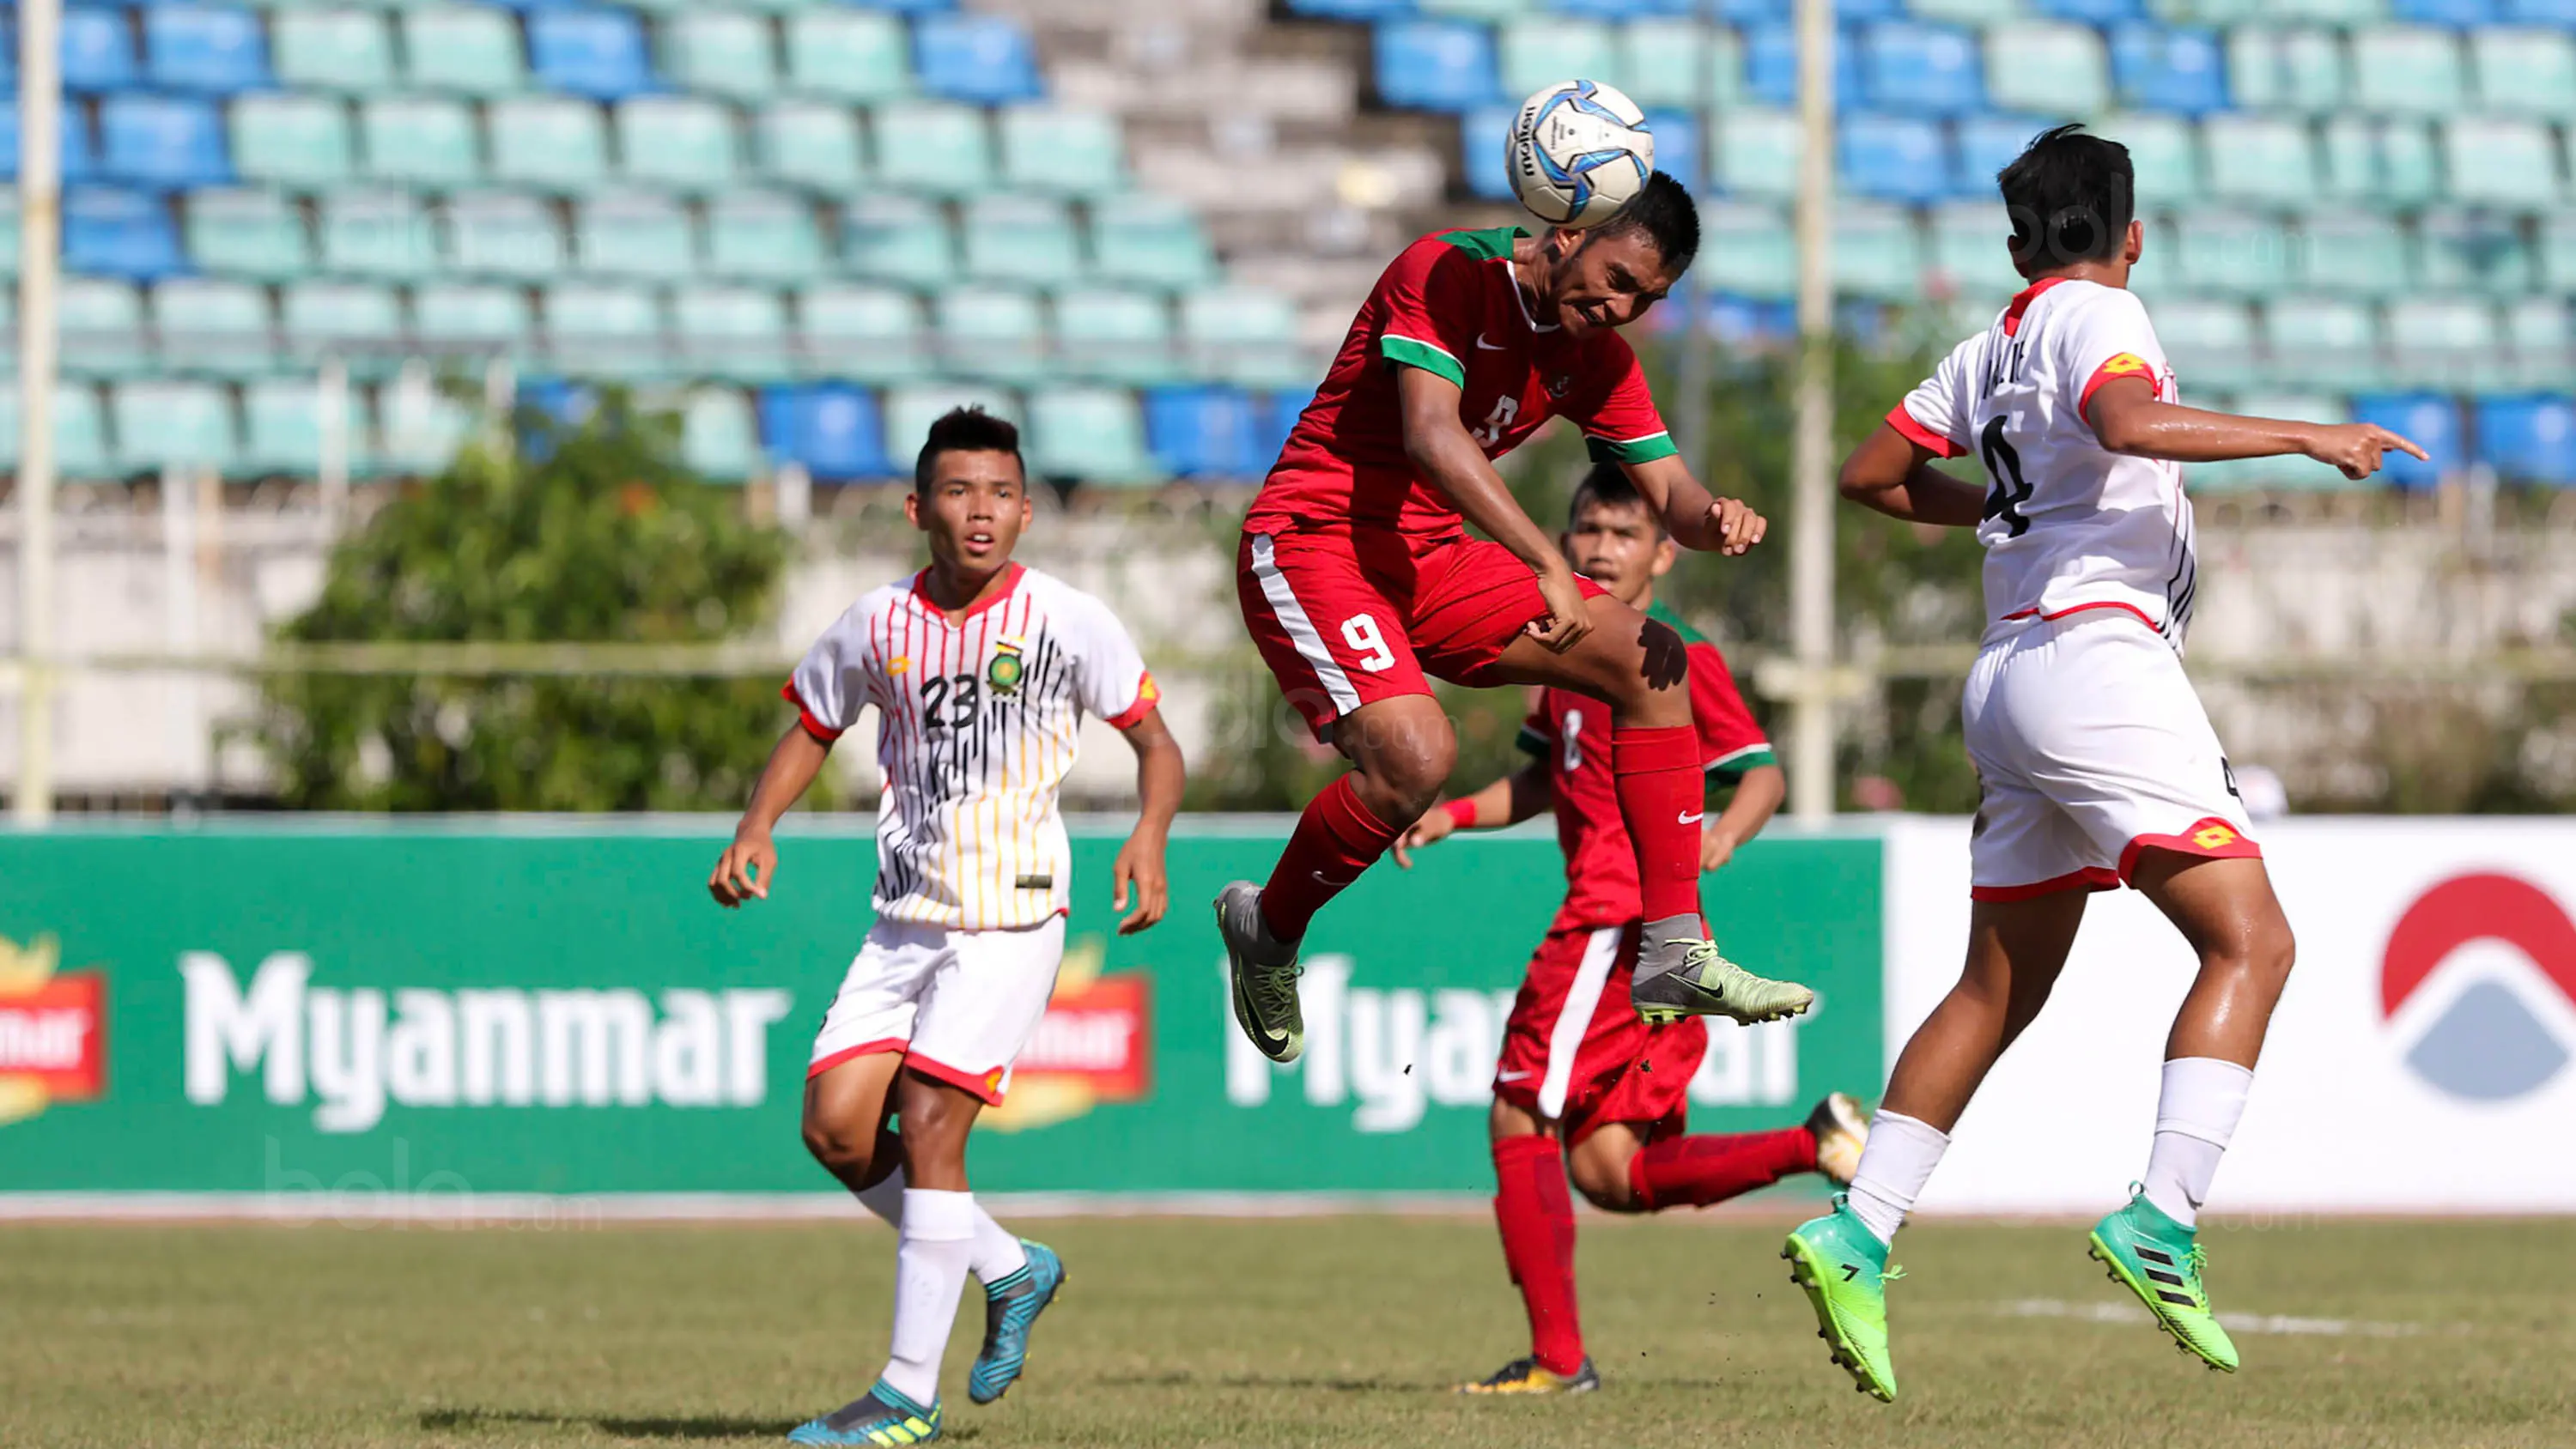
{"x": 1579, "y": 150}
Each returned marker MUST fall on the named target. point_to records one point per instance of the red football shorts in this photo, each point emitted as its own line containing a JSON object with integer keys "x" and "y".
{"x": 1575, "y": 1051}
{"x": 1345, "y": 620}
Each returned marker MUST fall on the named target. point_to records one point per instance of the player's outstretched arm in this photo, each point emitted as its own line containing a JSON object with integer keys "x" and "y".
{"x": 1160, "y": 778}
{"x": 1892, "y": 474}
{"x": 1757, "y": 798}
{"x": 1442, "y": 452}
{"x": 1695, "y": 519}
{"x": 2127, "y": 418}
{"x": 1508, "y": 801}
{"x": 748, "y": 865}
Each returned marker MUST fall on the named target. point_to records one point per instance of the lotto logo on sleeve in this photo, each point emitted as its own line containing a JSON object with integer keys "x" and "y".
{"x": 2124, "y": 364}
{"x": 2479, "y": 980}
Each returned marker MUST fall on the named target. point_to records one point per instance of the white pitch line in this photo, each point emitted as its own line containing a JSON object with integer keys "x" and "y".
{"x": 2254, "y": 1323}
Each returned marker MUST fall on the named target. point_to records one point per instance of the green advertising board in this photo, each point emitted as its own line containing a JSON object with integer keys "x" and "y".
{"x": 559, "y": 1008}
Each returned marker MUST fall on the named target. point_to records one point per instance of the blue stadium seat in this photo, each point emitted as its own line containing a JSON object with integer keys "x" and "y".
{"x": 2091, "y": 12}
{"x": 594, "y": 53}
{"x": 985, "y": 59}
{"x": 1987, "y": 144}
{"x": 1921, "y": 69}
{"x": 98, "y": 50}
{"x": 2154, "y": 68}
{"x": 113, "y": 233}
{"x": 2431, "y": 419}
{"x": 1480, "y": 142}
{"x": 2528, "y": 439}
{"x": 150, "y": 140}
{"x": 1901, "y": 158}
{"x": 77, "y": 157}
{"x": 1352, "y": 9}
{"x": 2462, "y": 14}
{"x": 1771, "y": 66}
{"x": 1436, "y": 65}
{"x": 831, "y": 430}
{"x": 2541, "y": 12}
{"x": 1677, "y": 146}
{"x": 209, "y": 50}
{"x": 1204, "y": 432}
{"x": 1277, "y": 415}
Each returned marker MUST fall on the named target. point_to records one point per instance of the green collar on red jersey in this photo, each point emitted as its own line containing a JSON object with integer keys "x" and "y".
{"x": 1493, "y": 243}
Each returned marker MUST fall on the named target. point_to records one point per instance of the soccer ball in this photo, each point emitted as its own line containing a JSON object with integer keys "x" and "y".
{"x": 1579, "y": 150}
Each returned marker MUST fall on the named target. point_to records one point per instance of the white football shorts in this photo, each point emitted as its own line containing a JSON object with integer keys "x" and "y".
{"x": 2090, "y": 746}
{"x": 958, "y": 1005}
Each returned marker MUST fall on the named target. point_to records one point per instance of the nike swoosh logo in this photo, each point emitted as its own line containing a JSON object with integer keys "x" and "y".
{"x": 1513, "y": 1076}
{"x": 1483, "y": 346}
{"x": 1692, "y": 818}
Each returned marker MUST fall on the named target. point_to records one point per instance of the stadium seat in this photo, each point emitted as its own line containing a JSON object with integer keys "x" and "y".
{"x": 470, "y": 50}
{"x": 909, "y": 412}
{"x": 1912, "y": 68}
{"x": 503, "y": 236}
{"x": 831, "y": 431}
{"x": 547, "y": 142}
{"x": 718, "y": 439}
{"x": 209, "y": 50}
{"x": 1771, "y": 66}
{"x": 763, "y": 236}
{"x": 2322, "y": 341}
{"x": 1677, "y": 146}
{"x": 598, "y": 53}
{"x": 98, "y": 51}
{"x": 994, "y": 333}
{"x": 1243, "y": 336}
{"x": 2528, "y": 439}
{"x": 1540, "y": 50}
{"x": 112, "y": 233}
{"x": 2501, "y": 161}
{"x": 254, "y": 234}
{"x": 1877, "y": 253}
{"x": 382, "y": 234}
{"x": 2209, "y": 341}
{"x": 100, "y": 325}
{"x": 2540, "y": 12}
{"x": 720, "y": 52}
{"x": 420, "y": 141}
{"x": 2344, "y": 14}
{"x": 2164, "y": 151}
{"x": 1436, "y": 65}
{"x": 2473, "y": 252}
{"x": 282, "y": 428}
{"x": 633, "y": 234}
{"x": 2258, "y": 158}
{"x": 735, "y": 333}
{"x": 165, "y": 423}
{"x": 348, "y": 51}
{"x": 1490, "y": 10}
{"x": 80, "y": 430}
{"x": 896, "y": 238}
{"x": 1150, "y": 240}
{"x": 1114, "y": 335}
{"x": 1969, "y": 252}
{"x": 472, "y": 317}
{"x": 847, "y": 55}
{"x": 360, "y": 322}
{"x": 2047, "y": 68}
{"x": 1204, "y": 432}
{"x": 1757, "y": 152}
{"x": 293, "y": 141}
{"x": 2183, "y": 71}
{"x": 2091, "y": 12}
{"x": 2355, "y": 253}
{"x": 2231, "y": 254}
{"x": 2431, "y": 420}
{"x": 1748, "y": 250}
{"x": 2542, "y": 342}
{"x": 2385, "y": 163}
{"x": 1480, "y": 151}
{"x": 2525, "y": 72}
{"x": 1898, "y": 158}
{"x": 678, "y": 142}
{"x": 2286, "y": 70}
{"x": 1988, "y": 143}
{"x": 1023, "y": 239}
{"x": 983, "y": 59}
{"x": 2558, "y": 251}
{"x": 935, "y": 147}
{"x": 1352, "y": 9}
{"x": 1067, "y": 152}
{"x": 2459, "y": 14}
{"x": 870, "y": 334}
{"x": 812, "y": 144}
{"x": 1095, "y": 434}
{"x": 217, "y": 328}
{"x": 2450, "y": 343}
{"x": 76, "y": 155}
{"x": 1672, "y": 62}
{"x": 603, "y": 330}
{"x": 2407, "y": 70}
{"x": 149, "y": 140}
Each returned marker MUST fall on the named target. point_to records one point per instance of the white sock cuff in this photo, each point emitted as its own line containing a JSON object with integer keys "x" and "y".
{"x": 884, "y": 1198}
{"x": 930, "y": 1216}
{"x": 2203, "y": 1098}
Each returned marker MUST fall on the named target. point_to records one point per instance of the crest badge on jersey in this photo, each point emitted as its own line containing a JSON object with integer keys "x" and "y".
{"x": 1003, "y": 675}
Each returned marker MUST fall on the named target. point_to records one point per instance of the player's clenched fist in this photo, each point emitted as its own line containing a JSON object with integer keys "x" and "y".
{"x": 1568, "y": 617}
{"x": 744, "y": 871}
{"x": 2356, "y": 448}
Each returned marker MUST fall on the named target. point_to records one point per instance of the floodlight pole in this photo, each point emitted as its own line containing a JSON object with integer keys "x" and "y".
{"x": 40, "y": 115}
{"x": 1811, "y": 512}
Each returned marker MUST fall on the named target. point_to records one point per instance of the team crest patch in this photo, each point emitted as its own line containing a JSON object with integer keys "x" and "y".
{"x": 1004, "y": 673}
{"x": 1556, "y": 386}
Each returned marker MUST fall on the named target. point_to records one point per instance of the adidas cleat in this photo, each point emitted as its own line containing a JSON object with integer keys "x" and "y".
{"x": 1841, "y": 1129}
{"x": 1707, "y": 984}
{"x": 883, "y": 1419}
{"x": 2160, "y": 1260}
{"x": 1264, "y": 971}
{"x": 1528, "y": 1376}
{"x": 1011, "y": 1307}
{"x": 1843, "y": 1268}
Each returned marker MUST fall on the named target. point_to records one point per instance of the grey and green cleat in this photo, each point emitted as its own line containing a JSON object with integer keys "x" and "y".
{"x": 1011, "y": 1308}
{"x": 883, "y": 1419}
{"x": 1703, "y": 983}
{"x": 1263, "y": 969}
{"x": 1843, "y": 1267}
{"x": 2160, "y": 1261}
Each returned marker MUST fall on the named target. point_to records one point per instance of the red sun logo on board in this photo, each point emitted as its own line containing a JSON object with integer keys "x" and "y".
{"x": 2491, "y": 1044}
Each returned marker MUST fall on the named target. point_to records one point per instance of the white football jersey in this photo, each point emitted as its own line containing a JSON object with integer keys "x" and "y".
{"x": 2069, "y": 524}
{"x": 977, "y": 729}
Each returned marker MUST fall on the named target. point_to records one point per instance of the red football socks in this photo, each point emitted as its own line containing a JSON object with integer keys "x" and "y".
{"x": 1335, "y": 840}
{"x": 1697, "y": 1171}
{"x": 1535, "y": 1210}
{"x": 1661, "y": 795}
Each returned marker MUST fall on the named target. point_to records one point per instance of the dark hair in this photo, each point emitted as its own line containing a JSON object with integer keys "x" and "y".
{"x": 965, "y": 430}
{"x": 1664, "y": 211}
{"x": 2071, "y": 197}
{"x": 1606, "y": 486}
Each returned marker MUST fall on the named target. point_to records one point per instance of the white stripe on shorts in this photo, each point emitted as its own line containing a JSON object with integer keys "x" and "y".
{"x": 1574, "y": 1018}
{"x": 1301, "y": 630}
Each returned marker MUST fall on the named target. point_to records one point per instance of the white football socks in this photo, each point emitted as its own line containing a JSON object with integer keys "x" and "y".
{"x": 998, "y": 1253}
{"x": 2195, "y": 1116}
{"x": 937, "y": 1238}
{"x": 1894, "y": 1165}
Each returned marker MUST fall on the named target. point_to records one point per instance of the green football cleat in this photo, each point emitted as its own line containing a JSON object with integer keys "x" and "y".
{"x": 1843, "y": 1267}
{"x": 2160, "y": 1261}
{"x": 1264, "y": 972}
{"x": 1707, "y": 984}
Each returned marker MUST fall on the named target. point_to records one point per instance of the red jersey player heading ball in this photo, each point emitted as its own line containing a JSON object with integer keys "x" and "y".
{"x": 1358, "y": 579}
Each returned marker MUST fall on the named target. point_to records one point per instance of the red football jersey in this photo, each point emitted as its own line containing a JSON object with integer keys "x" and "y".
{"x": 1572, "y": 733}
{"x": 1448, "y": 305}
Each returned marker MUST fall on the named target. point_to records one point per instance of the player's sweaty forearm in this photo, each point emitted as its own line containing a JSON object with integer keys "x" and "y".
{"x": 1161, "y": 776}
{"x": 791, "y": 769}
{"x": 2127, "y": 418}
{"x": 1692, "y": 515}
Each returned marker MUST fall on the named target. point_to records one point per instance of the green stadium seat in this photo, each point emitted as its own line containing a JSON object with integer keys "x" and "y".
{"x": 2342, "y": 13}
{"x": 1024, "y": 239}
{"x": 2502, "y": 161}
{"x": 1757, "y": 152}
{"x": 606, "y": 331}
{"x": 100, "y": 326}
{"x": 1544, "y": 49}
{"x": 993, "y": 333}
{"x": 738, "y": 334}
{"x": 463, "y": 50}
{"x": 503, "y": 235}
{"x": 80, "y": 430}
{"x": 424, "y": 429}
{"x": 2230, "y": 254}
{"x": 2525, "y": 72}
{"x": 2383, "y": 163}
{"x": 1114, "y": 335}
{"x": 895, "y": 238}
{"x": 2255, "y": 158}
{"x": 1476, "y": 9}
{"x": 9, "y": 243}
{"x": 1150, "y": 240}
{"x": 848, "y": 55}
{"x": 2209, "y": 340}
{"x": 472, "y": 317}
{"x": 282, "y": 428}
{"x": 1067, "y": 152}
{"x": 2557, "y": 232}
{"x": 2474, "y": 251}
{"x": 720, "y": 52}
{"x": 1981, "y": 14}
{"x": 633, "y": 234}
{"x": 719, "y": 439}
{"x": 290, "y": 140}
{"x": 2165, "y": 153}
{"x": 360, "y": 322}
{"x": 376, "y": 234}
{"x": 2205, "y": 12}
{"x": 936, "y": 147}
{"x": 2355, "y": 253}
{"x": 1877, "y": 253}
{"x": 811, "y": 144}
{"x": 2444, "y": 342}
{"x": 348, "y": 51}
{"x": 2544, "y": 346}
{"x": 1750, "y": 250}
{"x": 551, "y": 143}
{"x": 1970, "y": 251}
{"x": 257, "y": 234}
{"x": 2286, "y": 70}
{"x": 1245, "y": 337}
{"x": 1668, "y": 62}
{"x": 166, "y": 423}
{"x": 2407, "y": 70}
{"x": 218, "y": 328}
{"x": 2048, "y": 68}
{"x": 679, "y": 142}
{"x": 909, "y": 412}
{"x": 1096, "y": 434}
{"x": 763, "y": 236}
{"x": 861, "y": 333}
{"x": 420, "y": 141}
{"x": 2330, "y": 342}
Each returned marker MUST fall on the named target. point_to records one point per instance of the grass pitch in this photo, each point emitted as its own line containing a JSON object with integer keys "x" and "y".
{"x": 1322, "y": 1331}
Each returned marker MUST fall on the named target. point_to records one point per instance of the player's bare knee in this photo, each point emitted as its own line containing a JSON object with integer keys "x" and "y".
{"x": 843, "y": 1147}
{"x": 1403, "y": 763}
{"x": 1602, "y": 1178}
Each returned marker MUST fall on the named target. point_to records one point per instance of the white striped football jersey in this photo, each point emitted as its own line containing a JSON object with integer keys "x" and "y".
{"x": 977, "y": 728}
